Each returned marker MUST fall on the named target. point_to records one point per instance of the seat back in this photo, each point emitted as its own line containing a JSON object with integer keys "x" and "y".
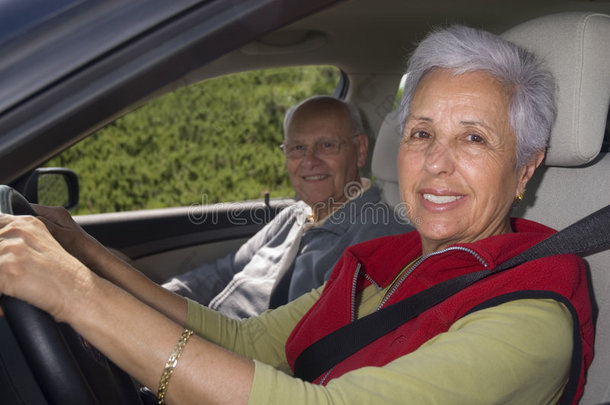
{"x": 574, "y": 180}
{"x": 384, "y": 166}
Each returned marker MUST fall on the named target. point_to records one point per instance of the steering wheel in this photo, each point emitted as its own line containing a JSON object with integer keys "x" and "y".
{"x": 67, "y": 368}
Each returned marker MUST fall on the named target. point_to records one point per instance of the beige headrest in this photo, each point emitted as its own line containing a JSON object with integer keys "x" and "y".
{"x": 383, "y": 164}
{"x": 576, "y": 48}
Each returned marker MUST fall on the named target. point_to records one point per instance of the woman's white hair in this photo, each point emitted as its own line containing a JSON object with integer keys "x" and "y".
{"x": 462, "y": 49}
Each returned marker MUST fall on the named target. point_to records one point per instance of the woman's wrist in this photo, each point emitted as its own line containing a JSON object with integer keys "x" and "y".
{"x": 84, "y": 287}
{"x": 93, "y": 254}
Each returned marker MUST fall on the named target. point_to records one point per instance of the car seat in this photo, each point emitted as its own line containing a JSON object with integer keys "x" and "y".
{"x": 574, "y": 180}
{"x": 384, "y": 166}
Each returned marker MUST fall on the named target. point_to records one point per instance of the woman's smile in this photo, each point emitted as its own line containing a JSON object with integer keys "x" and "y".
{"x": 440, "y": 201}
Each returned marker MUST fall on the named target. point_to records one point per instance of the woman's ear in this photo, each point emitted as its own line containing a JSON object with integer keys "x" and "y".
{"x": 527, "y": 171}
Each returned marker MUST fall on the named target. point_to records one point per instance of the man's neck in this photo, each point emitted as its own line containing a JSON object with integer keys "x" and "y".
{"x": 322, "y": 211}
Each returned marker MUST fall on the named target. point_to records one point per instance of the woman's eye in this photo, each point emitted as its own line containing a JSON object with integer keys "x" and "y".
{"x": 420, "y": 134}
{"x": 475, "y": 138}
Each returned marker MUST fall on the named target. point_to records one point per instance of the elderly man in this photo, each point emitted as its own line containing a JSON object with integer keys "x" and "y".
{"x": 324, "y": 145}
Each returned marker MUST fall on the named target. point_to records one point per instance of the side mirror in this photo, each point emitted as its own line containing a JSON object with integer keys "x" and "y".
{"x": 53, "y": 186}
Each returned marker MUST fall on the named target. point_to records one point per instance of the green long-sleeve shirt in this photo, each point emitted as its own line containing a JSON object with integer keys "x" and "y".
{"x": 514, "y": 353}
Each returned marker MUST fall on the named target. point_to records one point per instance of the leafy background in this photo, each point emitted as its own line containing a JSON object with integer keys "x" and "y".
{"x": 215, "y": 141}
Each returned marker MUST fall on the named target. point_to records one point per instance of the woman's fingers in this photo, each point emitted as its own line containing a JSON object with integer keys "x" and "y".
{"x": 63, "y": 227}
{"x": 58, "y": 215}
{"x": 35, "y": 268}
{"x": 57, "y": 219}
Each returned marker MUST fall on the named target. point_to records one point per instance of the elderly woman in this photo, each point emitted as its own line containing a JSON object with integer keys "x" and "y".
{"x": 477, "y": 115}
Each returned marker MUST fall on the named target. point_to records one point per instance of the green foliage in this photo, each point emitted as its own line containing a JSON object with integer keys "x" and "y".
{"x": 216, "y": 141}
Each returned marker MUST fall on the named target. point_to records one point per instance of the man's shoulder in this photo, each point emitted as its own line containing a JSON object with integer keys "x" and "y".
{"x": 368, "y": 211}
{"x": 295, "y": 214}
{"x": 296, "y": 210}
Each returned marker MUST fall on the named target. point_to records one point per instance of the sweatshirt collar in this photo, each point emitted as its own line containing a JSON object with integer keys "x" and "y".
{"x": 401, "y": 249}
{"x": 343, "y": 218}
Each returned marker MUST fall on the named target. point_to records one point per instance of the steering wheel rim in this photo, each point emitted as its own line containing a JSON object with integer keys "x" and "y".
{"x": 67, "y": 368}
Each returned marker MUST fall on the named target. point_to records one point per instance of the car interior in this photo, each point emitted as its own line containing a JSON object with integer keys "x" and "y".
{"x": 572, "y": 182}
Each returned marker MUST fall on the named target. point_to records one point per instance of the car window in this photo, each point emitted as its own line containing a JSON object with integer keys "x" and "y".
{"x": 401, "y": 89}
{"x": 215, "y": 141}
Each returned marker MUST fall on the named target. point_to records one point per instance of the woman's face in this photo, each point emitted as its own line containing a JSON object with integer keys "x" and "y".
{"x": 456, "y": 162}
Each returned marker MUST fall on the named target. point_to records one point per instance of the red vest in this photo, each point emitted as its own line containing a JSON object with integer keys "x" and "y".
{"x": 560, "y": 277}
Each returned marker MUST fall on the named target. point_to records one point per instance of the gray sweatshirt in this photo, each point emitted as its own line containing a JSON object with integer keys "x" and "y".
{"x": 240, "y": 284}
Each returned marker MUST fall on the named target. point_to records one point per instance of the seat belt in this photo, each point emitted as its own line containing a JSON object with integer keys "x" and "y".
{"x": 589, "y": 235}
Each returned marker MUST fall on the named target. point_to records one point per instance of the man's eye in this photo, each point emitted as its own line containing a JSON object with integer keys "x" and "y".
{"x": 297, "y": 147}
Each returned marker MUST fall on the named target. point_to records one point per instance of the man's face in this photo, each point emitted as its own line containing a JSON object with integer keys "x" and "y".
{"x": 331, "y": 158}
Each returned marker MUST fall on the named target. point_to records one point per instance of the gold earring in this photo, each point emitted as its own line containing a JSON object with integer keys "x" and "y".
{"x": 519, "y": 196}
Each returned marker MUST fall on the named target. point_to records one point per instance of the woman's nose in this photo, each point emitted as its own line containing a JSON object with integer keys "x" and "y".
{"x": 439, "y": 158}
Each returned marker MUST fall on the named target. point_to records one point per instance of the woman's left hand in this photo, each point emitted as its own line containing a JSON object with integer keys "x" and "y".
{"x": 70, "y": 235}
{"x": 36, "y": 269}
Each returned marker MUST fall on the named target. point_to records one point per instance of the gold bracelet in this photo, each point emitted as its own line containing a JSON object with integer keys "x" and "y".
{"x": 171, "y": 365}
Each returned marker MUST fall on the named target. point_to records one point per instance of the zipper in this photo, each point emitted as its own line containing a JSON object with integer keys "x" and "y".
{"x": 418, "y": 262}
{"x": 323, "y": 380}
{"x": 398, "y": 283}
{"x": 354, "y": 284}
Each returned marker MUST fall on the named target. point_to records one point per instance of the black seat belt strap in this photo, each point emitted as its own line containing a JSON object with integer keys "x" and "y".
{"x": 589, "y": 235}
{"x": 584, "y": 237}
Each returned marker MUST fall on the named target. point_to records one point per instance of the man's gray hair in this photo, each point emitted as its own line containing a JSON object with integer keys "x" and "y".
{"x": 532, "y": 87}
{"x": 354, "y": 114}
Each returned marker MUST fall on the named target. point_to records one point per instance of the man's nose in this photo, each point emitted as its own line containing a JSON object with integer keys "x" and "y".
{"x": 311, "y": 158}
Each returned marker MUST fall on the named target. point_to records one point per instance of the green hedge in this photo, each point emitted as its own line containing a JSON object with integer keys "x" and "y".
{"x": 216, "y": 141}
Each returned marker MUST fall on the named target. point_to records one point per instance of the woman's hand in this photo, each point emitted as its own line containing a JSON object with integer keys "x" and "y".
{"x": 108, "y": 266}
{"x": 36, "y": 269}
{"x": 61, "y": 225}
{"x": 70, "y": 235}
